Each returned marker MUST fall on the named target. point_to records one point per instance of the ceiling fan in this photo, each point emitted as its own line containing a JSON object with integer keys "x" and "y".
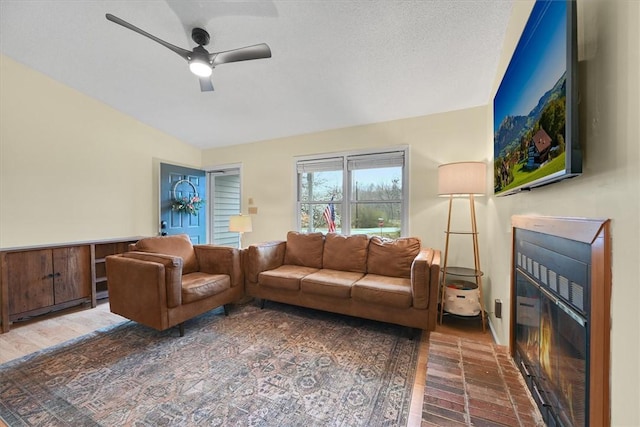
{"x": 201, "y": 62}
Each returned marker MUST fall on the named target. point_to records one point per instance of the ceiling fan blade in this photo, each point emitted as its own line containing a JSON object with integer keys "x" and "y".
{"x": 182, "y": 52}
{"x": 257, "y": 51}
{"x": 205, "y": 84}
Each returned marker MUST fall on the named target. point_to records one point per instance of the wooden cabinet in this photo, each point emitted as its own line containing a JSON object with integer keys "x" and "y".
{"x": 99, "y": 252}
{"x": 30, "y": 280}
{"x": 42, "y": 279}
{"x": 71, "y": 277}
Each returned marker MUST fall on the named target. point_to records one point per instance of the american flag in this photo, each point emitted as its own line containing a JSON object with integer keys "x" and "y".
{"x": 330, "y": 216}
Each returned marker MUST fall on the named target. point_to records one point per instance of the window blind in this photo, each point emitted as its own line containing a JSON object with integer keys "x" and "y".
{"x": 320, "y": 165}
{"x": 378, "y": 160}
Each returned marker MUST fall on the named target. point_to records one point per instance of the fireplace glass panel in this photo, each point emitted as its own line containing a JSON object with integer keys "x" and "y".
{"x": 527, "y": 319}
{"x": 563, "y": 360}
{"x": 551, "y": 341}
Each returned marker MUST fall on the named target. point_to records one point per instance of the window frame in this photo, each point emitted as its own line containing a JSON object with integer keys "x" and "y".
{"x": 347, "y": 193}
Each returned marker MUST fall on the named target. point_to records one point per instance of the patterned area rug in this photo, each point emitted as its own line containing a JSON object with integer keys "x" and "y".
{"x": 281, "y": 366}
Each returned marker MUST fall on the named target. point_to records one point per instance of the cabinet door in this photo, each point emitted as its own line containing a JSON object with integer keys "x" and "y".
{"x": 72, "y": 273}
{"x": 29, "y": 276}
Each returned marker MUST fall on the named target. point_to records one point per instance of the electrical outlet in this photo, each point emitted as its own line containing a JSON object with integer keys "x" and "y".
{"x": 253, "y": 210}
{"x": 497, "y": 308}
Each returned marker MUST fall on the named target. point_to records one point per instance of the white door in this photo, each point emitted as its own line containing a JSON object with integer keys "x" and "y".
{"x": 224, "y": 188}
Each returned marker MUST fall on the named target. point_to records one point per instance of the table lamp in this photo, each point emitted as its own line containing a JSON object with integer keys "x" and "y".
{"x": 240, "y": 224}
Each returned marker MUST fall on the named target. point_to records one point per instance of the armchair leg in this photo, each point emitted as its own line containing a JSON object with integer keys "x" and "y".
{"x": 262, "y": 303}
{"x": 413, "y": 333}
{"x": 226, "y": 309}
{"x": 181, "y": 328}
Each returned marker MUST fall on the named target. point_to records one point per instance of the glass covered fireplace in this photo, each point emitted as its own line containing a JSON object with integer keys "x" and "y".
{"x": 558, "y": 338}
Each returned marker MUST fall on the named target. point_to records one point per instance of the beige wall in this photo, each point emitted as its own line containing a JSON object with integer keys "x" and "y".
{"x": 268, "y": 175}
{"x": 72, "y": 168}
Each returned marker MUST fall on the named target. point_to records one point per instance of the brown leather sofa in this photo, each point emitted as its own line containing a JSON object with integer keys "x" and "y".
{"x": 393, "y": 281}
{"x": 164, "y": 281}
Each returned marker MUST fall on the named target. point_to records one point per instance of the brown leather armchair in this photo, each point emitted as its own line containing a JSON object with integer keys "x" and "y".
{"x": 164, "y": 281}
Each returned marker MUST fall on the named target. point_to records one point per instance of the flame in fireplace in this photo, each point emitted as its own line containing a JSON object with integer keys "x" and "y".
{"x": 545, "y": 344}
{"x": 564, "y": 373}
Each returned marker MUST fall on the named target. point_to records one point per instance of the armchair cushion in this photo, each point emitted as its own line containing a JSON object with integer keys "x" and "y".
{"x": 197, "y": 286}
{"x": 177, "y": 245}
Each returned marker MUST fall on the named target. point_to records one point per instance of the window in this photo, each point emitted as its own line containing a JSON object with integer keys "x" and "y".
{"x": 320, "y": 188}
{"x": 353, "y": 193}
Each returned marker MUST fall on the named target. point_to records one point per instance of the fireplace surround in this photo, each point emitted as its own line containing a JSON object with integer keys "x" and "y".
{"x": 560, "y": 311}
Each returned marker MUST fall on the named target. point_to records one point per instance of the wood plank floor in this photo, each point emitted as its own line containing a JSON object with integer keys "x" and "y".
{"x": 28, "y": 336}
{"x": 36, "y": 334}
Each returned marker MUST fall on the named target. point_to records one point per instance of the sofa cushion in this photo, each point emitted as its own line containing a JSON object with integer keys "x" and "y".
{"x": 392, "y": 257}
{"x": 345, "y": 253}
{"x": 176, "y": 245}
{"x": 197, "y": 286}
{"x": 304, "y": 249}
{"x": 285, "y": 277}
{"x": 331, "y": 283}
{"x": 383, "y": 290}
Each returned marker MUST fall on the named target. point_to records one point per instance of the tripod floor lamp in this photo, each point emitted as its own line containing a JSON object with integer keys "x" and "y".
{"x": 462, "y": 179}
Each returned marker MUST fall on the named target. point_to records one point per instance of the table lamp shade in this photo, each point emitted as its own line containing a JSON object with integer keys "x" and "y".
{"x": 462, "y": 178}
{"x": 240, "y": 223}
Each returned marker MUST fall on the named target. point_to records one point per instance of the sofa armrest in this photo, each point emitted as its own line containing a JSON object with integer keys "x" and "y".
{"x": 173, "y": 273}
{"x": 264, "y": 256}
{"x": 425, "y": 274}
{"x": 215, "y": 259}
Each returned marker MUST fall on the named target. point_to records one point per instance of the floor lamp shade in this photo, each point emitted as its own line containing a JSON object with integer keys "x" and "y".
{"x": 240, "y": 223}
{"x": 462, "y": 178}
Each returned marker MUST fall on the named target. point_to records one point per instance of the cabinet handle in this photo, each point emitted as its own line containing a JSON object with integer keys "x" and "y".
{"x": 52, "y": 275}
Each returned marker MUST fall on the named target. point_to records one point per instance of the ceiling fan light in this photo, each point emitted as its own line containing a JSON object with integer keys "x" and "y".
{"x": 200, "y": 68}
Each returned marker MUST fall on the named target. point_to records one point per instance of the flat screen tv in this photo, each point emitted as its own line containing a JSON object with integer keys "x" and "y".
{"x": 535, "y": 108}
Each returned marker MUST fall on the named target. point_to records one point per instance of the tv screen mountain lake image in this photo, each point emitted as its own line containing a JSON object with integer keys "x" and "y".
{"x": 530, "y": 106}
{"x": 530, "y": 147}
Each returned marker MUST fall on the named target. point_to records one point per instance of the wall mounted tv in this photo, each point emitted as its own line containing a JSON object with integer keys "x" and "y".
{"x": 535, "y": 108}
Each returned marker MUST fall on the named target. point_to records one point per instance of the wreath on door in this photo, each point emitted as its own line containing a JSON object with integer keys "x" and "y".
{"x": 189, "y": 205}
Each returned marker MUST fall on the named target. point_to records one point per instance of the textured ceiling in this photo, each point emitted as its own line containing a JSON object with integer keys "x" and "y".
{"x": 335, "y": 63}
